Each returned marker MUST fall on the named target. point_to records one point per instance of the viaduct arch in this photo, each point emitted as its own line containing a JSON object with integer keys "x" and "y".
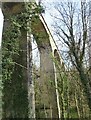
{"x": 49, "y": 97}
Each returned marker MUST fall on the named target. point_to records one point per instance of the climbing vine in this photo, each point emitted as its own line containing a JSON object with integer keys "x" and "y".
{"x": 11, "y": 54}
{"x": 10, "y": 44}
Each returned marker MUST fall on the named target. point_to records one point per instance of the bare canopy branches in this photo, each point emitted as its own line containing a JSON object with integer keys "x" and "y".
{"x": 71, "y": 24}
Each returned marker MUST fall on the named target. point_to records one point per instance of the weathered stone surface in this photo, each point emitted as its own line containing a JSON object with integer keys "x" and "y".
{"x": 15, "y": 91}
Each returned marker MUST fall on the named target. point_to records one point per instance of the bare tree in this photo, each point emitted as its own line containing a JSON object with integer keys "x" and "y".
{"x": 71, "y": 27}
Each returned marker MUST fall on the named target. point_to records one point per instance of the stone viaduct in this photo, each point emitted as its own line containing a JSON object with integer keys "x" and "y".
{"x": 48, "y": 107}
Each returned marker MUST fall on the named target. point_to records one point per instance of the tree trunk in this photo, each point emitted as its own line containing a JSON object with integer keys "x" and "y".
{"x": 85, "y": 82}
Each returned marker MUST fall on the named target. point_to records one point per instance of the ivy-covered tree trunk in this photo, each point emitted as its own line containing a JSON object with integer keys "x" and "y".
{"x": 87, "y": 87}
